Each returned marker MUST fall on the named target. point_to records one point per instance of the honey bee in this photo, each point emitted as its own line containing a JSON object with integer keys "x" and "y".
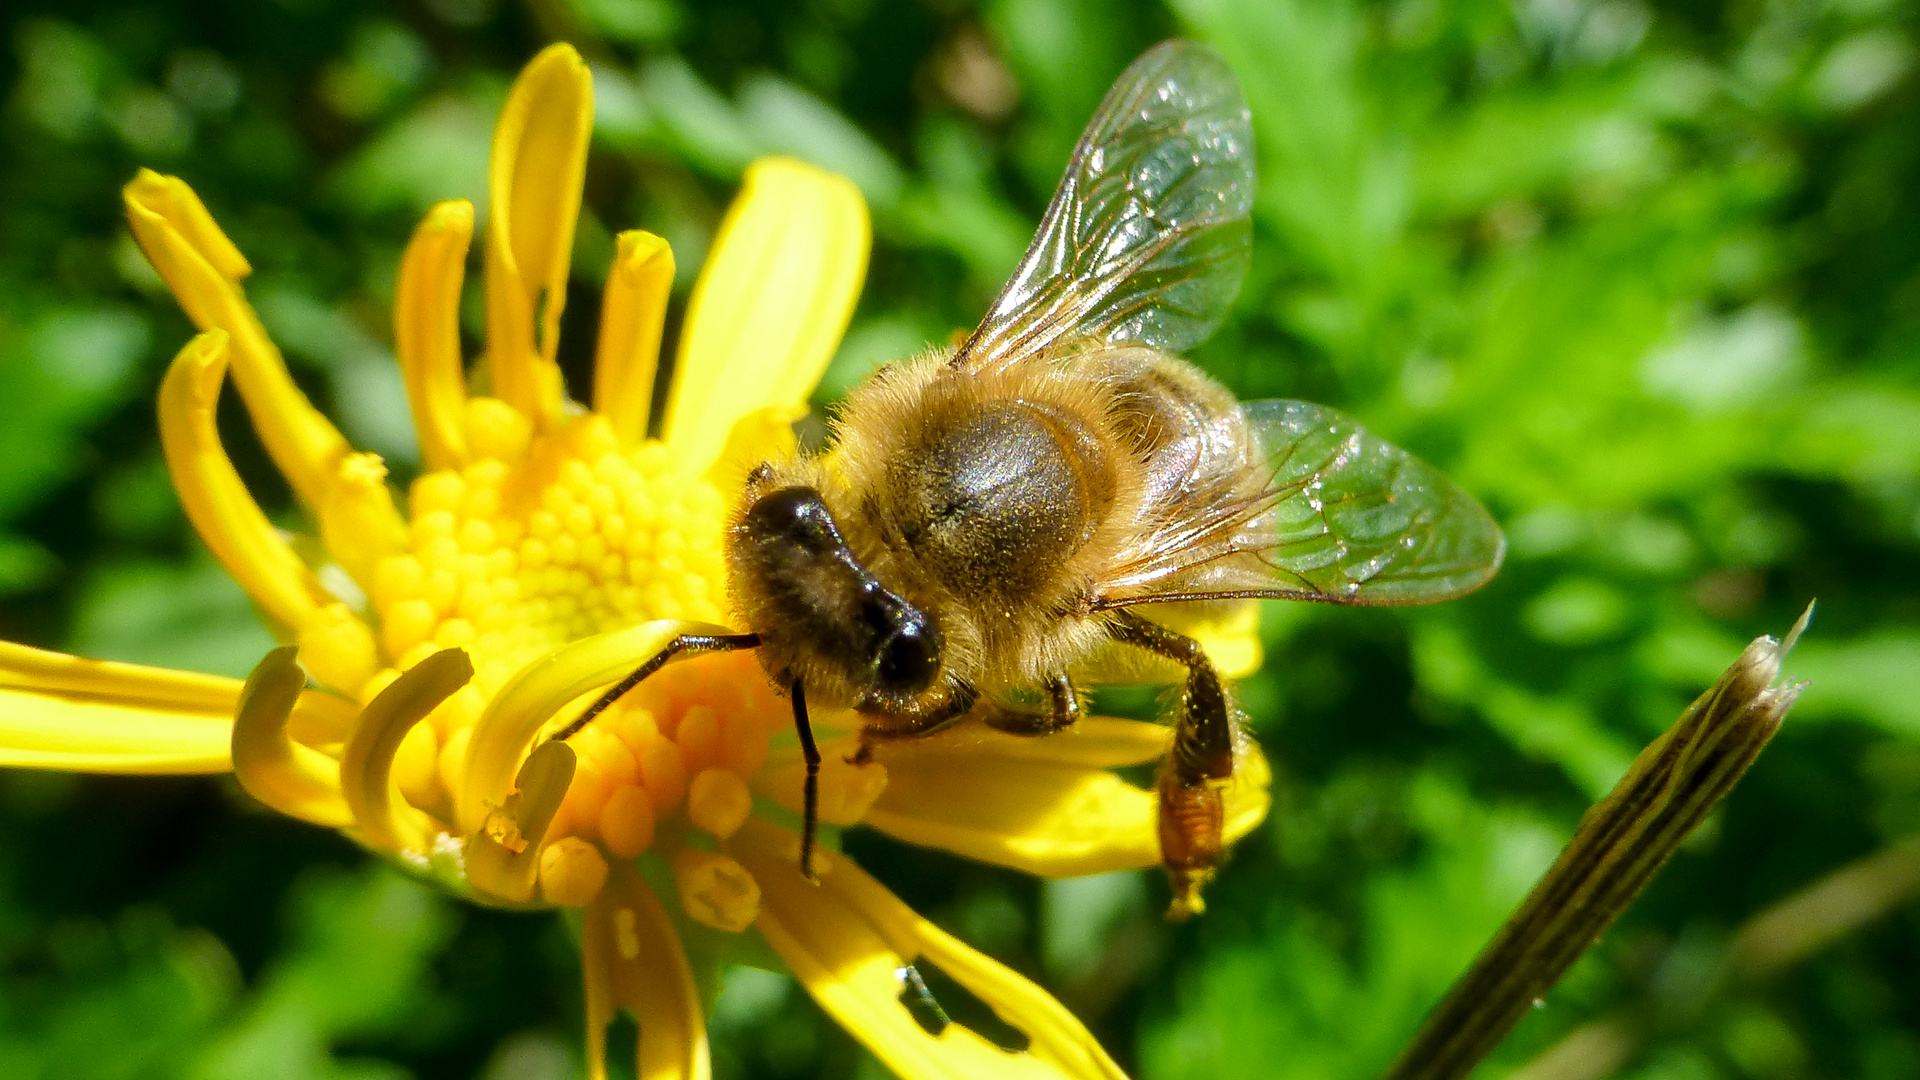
{"x": 988, "y": 519}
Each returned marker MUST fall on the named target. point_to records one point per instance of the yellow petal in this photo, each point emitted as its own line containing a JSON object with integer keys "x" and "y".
{"x": 535, "y": 695}
{"x": 633, "y": 960}
{"x": 426, "y": 331}
{"x": 67, "y": 712}
{"x": 846, "y": 940}
{"x": 1229, "y": 632}
{"x": 85, "y": 734}
{"x": 631, "y": 315}
{"x": 1048, "y": 806}
{"x": 539, "y": 162}
{"x": 366, "y": 772}
{"x": 203, "y": 269}
{"x": 216, "y": 501}
{"x": 281, "y": 773}
{"x": 770, "y": 305}
{"x": 760, "y": 436}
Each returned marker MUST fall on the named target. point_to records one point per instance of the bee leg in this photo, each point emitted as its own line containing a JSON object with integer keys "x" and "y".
{"x": 1192, "y": 812}
{"x": 684, "y": 643}
{"x": 881, "y": 726}
{"x": 1063, "y": 708}
{"x": 810, "y": 798}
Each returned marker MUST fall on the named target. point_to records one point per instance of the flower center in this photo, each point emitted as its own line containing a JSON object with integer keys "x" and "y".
{"x": 551, "y": 540}
{"x": 690, "y": 737}
{"x": 578, "y": 538}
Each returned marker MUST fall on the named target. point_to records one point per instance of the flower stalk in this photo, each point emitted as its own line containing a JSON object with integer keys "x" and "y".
{"x": 1620, "y": 843}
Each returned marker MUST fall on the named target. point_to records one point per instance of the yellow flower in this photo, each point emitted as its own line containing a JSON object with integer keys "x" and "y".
{"x": 545, "y": 550}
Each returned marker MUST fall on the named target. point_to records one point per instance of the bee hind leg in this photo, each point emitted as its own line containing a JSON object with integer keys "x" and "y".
{"x": 1063, "y": 708}
{"x": 1192, "y": 812}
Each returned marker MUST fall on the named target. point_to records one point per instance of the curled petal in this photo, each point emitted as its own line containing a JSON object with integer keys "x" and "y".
{"x": 633, "y": 960}
{"x": 204, "y": 269}
{"x": 426, "y": 331}
{"x": 536, "y": 694}
{"x": 366, "y": 772}
{"x": 631, "y": 317}
{"x": 770, "y": 305}
{"x": 1047, "y": 806}
{"x": 505, "y": 856}
{"x": 216, "y": 501}
{"x": 848, "y": 939}
{"x": 539, "y": 162}
{"x": 281, "y": 773}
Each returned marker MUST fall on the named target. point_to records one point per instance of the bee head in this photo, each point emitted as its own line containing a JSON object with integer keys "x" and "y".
{"x": 794, "y": 572}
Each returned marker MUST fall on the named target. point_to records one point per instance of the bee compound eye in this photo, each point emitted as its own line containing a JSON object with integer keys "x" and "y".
{"x": 910, "y": 657}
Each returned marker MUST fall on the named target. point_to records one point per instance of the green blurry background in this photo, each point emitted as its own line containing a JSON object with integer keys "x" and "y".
{"x": 1644, "y": 277}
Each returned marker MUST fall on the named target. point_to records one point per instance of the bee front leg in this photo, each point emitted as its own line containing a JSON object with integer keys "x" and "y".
{"x": 946, "y": 709}
{"x": 955, "y": 705}
{"x": 1192, "y": 812}
{"x": 1063, "y": 708}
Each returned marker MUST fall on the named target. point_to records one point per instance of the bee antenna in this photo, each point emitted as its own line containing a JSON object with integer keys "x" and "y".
{"x": 811, "y": 798}
{"x": 681, "y": 643}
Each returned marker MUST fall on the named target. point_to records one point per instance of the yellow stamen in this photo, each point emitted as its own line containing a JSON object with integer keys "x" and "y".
{"x": 580, "y": 812}
{"x": 572, "y": 872}
{"x": 664, "y": 772}
{"x": 337, "y": 648}
{"x": 216, "y": 501}
{"x": 631, "y": 317}
{"x": 719, "y": 802}
{"x": 539, "y": 162}
{"x": 627, "y": 822}
{"x": 426, "y": 331}
{"x": 281, "y": 773}
{"x": 496, "y": 430}
{"x": 715, "y": 890}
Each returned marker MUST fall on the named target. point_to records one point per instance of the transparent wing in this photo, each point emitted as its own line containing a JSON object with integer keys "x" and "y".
{"x": 1147, "y": 239}
{"x": 1344, "y": 517}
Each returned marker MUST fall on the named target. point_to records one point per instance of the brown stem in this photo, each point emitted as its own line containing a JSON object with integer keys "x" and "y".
{"x": 1788, "y": 932}
{"x": 1619, "y": 844}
